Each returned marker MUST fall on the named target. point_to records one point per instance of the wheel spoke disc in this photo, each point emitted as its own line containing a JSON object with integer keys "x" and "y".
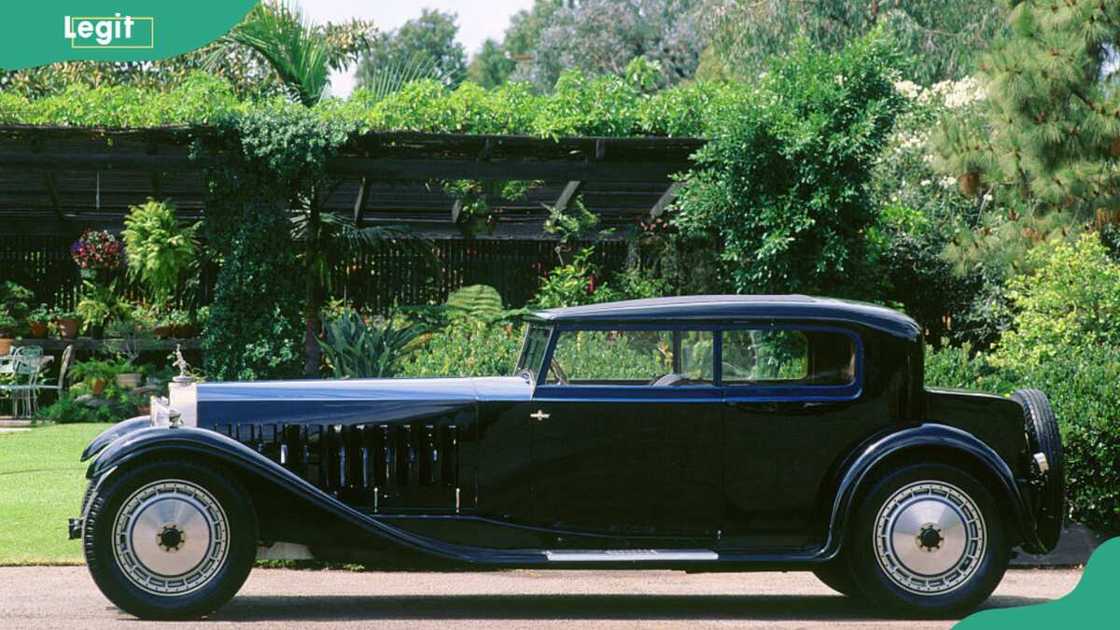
{"x": 929, "y": 537}
{"x": 170, "y": 537}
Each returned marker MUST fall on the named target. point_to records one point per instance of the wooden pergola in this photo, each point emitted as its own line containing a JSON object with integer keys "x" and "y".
{"x": 55, "y": 180}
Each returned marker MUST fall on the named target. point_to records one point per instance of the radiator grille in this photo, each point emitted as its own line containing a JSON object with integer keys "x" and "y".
{"x": 371, "y": 465}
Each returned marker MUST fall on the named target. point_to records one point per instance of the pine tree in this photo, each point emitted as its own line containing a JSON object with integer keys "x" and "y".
{"x": 1048, "y": 133}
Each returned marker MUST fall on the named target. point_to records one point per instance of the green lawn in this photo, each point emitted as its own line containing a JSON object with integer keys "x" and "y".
{"x": 41, "y": 485}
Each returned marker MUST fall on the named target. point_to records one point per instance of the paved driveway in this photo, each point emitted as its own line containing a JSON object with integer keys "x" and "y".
{"x": 65, "y": 597}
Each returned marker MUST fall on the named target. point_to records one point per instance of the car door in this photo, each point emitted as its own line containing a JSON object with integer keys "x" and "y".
{"x": 793, "y": 411}
{"x": 626, "y": 433}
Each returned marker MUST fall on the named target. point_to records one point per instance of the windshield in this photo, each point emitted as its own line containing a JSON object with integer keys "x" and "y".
{"x": 532, "y": 351}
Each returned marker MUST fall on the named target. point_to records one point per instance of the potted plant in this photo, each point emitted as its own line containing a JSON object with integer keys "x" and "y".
{"x": 161, "y": 253}
{"x": 8, "y": 325}
{"x": 128, "y": 376}
{"x": 67, "y": 322}
{"x": 99, "y": 305}
{"x": 95, "y": 374}
{"x": 13, "y": 310}
{"x": 38, "y": 321}
{"x": 176, "y": 323}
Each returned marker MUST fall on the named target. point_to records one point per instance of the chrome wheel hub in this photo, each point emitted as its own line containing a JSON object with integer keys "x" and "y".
{"x": 170, "y": 537}
{"x": 930, "y": 537}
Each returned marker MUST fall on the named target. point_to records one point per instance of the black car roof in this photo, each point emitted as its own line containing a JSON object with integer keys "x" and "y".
{"x": 732, "y": 307}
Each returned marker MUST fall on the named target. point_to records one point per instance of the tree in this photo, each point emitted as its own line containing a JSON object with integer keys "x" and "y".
{"x": 490, "y": 66}
{"x": 301, "y": 54}
{"x": 783, "y": 186}
{"x": 602, "y": 36}
{"x": 426, "y": 42}
{"x": 1048, "y": 134}
{"x": 940, "y": 37}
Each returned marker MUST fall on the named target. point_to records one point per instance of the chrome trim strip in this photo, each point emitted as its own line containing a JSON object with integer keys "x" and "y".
{"x": 627, "y": 555}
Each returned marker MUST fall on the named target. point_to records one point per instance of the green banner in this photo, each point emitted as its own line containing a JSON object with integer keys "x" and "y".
{"x": 123, "y": 30}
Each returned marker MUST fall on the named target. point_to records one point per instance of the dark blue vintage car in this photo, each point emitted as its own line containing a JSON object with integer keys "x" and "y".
{"x": 717, "y": 433}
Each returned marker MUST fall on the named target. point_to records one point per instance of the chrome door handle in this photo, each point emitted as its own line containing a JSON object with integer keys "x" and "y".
{"x": 539, "y": 415}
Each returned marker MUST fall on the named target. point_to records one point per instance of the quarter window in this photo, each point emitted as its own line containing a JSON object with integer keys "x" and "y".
{"x": 779, "y": 357}
{"x": 658, "y": 358}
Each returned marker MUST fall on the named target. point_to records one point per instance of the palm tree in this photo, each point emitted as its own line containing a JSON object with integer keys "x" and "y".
{"x": 303, "y": 54}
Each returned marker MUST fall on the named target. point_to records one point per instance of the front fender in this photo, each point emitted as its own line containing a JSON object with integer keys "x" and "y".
{"x": 110, "y": 435}
{"x": 179, "y": 442}
{"x": 856, "y": 476}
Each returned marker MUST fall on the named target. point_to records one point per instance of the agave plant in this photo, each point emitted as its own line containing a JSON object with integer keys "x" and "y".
{"x": 357, "y": 348}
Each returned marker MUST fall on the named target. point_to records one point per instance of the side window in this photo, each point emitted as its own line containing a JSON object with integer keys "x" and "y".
{"x": 658, "y": 358}
{"x": 786, "y": 357}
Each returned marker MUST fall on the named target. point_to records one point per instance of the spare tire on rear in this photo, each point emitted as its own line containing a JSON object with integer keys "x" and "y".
{"x": 1043, "y": 437}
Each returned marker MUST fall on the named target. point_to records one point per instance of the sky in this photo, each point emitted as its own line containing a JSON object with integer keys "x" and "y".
{"x": 478, "y": 20}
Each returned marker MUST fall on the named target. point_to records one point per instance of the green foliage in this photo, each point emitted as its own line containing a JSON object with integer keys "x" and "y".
{"x": 100, "y": 304}
{"x": 254, "y": 329}
{"x": 605, "y": 105}
{"x": 160, "y": 252}
{"x": 490, "y": 66}
{"x": 199, "y": 99}
{"x": 788, "y": 170}
{"x": 1048, "y": 132}
{"x": 428, "y": 41}
{"x": 14, "y": 306}
{"x": 1072, "y": 301}
{"x": 477, "y": 301}
{"x": 1064, "y": 341}
{"x": 608, "y": 355}
{"x": 582, "y": 282}
{"x": 940, "y": 39}
{"x": 359, "y": 348}
{"x": 467, "y": 347}
{"x": 301, "y": 53}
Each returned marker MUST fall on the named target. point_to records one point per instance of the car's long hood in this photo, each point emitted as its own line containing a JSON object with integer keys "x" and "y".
{"x": 326, "y": 401}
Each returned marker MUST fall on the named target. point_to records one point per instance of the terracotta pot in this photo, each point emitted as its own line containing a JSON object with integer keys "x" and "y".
{"x": 38, "y": 329}
{"x": 128, "y": 380}
{"x": 68, "y": 328}
{"x": 5, "y": 346}
{"x": 97, "y": 385}
{"x": 970, "y": 183}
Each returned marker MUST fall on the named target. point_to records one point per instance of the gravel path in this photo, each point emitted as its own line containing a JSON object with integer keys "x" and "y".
{"x": 65, "y": 597}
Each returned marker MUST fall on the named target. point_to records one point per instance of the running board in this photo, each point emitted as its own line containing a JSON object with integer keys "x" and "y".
{"x": 632, "y": 555}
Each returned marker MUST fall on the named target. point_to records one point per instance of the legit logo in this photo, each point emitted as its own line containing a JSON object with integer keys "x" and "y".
{"x": 110, "y": 32}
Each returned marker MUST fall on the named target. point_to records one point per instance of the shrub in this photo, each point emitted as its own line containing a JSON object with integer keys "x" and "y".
{"x": 359, "y": 348}
{"x": 467, "y": 347}
{"x": 254, "y": 330}
{"x": 1071, "y": 302}
{"x": 784, "y": 182}
{"x": 159, "y": 251}
{"x": 1065, "y": 341}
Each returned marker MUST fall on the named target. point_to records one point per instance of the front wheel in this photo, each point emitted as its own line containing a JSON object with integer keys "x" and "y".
{"x": 929, "y": 540}
{"x": 170, "y": 540}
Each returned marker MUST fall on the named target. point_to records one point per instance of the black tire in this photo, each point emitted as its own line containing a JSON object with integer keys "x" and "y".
{"x": 1043, "y": 437}
{"x": 975, "y": 572}
{"x": 224, "y": 573}
{"x": 837, "y": 575}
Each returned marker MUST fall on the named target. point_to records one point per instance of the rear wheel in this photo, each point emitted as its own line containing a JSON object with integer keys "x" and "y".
{"x": 929, "y": 540}
{"x": 170, "y": 540}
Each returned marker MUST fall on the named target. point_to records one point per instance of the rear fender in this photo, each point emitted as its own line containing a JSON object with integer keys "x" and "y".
{"x": 857, "y": 476}
{"x": 188, "y": 442}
